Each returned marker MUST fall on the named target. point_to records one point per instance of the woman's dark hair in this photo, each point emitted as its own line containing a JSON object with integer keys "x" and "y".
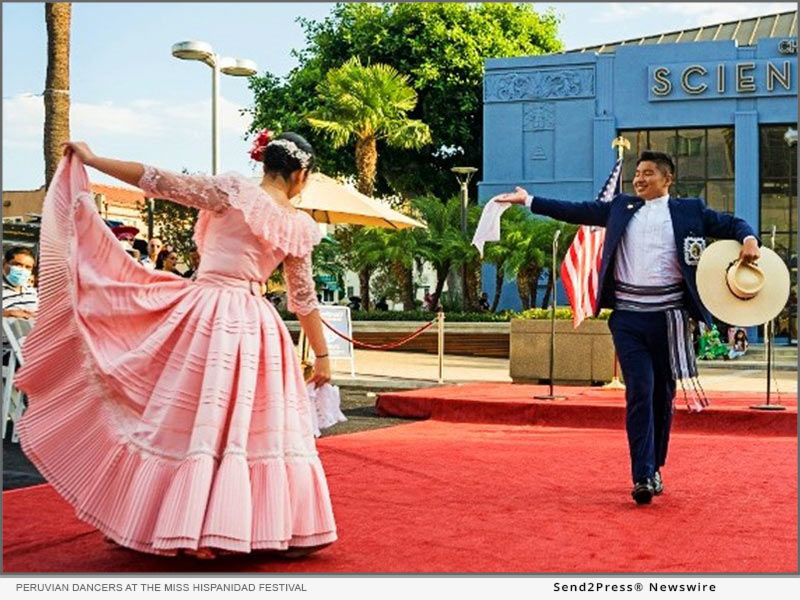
{"x": 279, "y": 160}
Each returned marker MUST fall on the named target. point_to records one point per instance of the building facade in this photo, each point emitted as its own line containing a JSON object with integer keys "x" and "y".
{"x": 721, "y": 100}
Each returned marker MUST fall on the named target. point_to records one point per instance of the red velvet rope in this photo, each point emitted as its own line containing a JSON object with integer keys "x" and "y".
{"x": 379, "y": 346}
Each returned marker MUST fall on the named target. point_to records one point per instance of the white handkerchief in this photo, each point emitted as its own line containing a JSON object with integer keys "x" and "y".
{"x": 488, "y": 229}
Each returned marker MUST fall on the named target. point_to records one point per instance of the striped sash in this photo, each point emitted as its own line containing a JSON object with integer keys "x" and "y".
{"x": 682, "y": 360}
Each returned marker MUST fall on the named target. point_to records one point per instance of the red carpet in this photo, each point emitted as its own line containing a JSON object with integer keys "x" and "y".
{"x": 453, "y": 497}
{"x": 512, "y": 404}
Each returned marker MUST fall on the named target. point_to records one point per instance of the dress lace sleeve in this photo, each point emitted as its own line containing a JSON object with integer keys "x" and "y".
{"x": 197, "y": 191}
{"x": 301, "y": 293}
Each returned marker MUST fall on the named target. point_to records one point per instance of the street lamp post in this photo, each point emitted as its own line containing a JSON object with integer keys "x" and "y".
{"x": 237, "y": 67}
{"x": 463, "y": 176}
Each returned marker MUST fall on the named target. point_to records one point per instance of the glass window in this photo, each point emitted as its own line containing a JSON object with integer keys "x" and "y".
{"x": 721, "y": 157}
{"x": 720, "y": 195}
{"x": 704, "y": 162}
{"x": 778, "y": 181}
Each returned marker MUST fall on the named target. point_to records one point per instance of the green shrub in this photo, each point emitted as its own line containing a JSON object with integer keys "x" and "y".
{"x": 561, "y": 313}
{"x": 456, "y": 317}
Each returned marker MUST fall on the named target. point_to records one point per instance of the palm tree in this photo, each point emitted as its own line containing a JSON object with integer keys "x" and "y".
{"x": 56, "y": 93}
{"x": 359, "y": 251}
{"x": 527, "y": 258}
{"x": 368, "y": 103}
{"x": 327, "y": 260}
{"x": 498, "y": 253}
{"x": 439, "y": 244}
{"x": 567, "y": 234}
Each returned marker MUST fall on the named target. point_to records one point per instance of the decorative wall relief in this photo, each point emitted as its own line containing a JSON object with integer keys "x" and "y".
{"x": 538, "y": 116}
{"x": 538, "y": 153}
{"x": 539, "y": 84}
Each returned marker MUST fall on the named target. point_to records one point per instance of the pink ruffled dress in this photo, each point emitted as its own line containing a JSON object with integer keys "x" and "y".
{"x": 173, "y": 413}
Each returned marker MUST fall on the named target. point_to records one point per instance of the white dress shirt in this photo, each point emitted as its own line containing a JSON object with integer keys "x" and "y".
{"x": 646, "y": 255}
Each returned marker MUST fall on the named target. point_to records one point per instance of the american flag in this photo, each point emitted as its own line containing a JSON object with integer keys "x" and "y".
{"x": 582, "y": 262}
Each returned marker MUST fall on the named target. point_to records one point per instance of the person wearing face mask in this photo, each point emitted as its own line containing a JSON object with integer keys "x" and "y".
{"x": 647, "y": 275}
{"x": 20, "y": 299}
{"x": 171, "y": 413}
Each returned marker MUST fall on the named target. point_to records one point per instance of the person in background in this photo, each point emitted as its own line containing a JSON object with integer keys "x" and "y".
{"x": 355, "y": 303}
{"x": 170, "y": 263}
{"x": 194, "y": 263}
{"x": 483, "y": 303}
{"x": 20, "y": 298}
{"x": 739, "y": 344}
{"x": 154, "y": 248}
{"x": 382, "y": 304}
{"x": 142, "y": 247}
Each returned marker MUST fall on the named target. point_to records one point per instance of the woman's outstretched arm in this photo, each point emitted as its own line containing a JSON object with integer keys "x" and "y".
{"x": 129, "y": 172}
{"x": 198, "y": 191}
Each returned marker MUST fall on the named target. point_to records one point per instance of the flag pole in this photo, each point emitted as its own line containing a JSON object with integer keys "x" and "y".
{"x": 621, "y": 144}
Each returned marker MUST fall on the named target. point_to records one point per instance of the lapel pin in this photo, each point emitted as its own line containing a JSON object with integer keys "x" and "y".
{"x": 630, "y": 206}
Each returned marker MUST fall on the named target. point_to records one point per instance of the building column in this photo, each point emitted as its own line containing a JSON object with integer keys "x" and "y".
{"x": 605, "y": 130}
{"x": 747, "y": 203}
{"x": 605, "y": 124}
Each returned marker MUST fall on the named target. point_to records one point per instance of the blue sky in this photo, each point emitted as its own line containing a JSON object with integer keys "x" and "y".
{"x": 131, "y": 99}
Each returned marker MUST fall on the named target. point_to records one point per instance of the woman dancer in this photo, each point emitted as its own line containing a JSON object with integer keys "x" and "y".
{"x": 172, "y": 414}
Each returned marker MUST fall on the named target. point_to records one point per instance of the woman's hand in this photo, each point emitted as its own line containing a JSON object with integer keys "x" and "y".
{"x": 321, "y": 373}
{"x": 81, "y": 150}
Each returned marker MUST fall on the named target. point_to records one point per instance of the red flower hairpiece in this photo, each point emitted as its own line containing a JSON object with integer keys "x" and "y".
{"x": 260, "y": 144}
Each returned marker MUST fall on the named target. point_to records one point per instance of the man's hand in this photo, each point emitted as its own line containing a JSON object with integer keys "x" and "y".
{"x": 750, "y": 252}
{"x": 518, "y": 196}
{"x": 18, "y": 313}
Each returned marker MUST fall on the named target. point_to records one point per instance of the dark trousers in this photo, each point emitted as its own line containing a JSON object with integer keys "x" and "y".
{"x": 641, "y": 342}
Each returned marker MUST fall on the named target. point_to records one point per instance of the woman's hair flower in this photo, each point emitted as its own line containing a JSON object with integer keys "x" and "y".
{"x": 260, "y": 144}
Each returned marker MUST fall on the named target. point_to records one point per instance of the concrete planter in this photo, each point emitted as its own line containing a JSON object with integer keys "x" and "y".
{"x": 583, "y": 356}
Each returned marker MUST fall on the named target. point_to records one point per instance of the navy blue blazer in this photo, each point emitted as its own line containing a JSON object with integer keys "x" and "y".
{"x": 690, "y": 218}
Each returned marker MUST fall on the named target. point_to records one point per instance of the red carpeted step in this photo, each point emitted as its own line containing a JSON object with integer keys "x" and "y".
{"x": 454, "y": 497}
{"x": 512, "y": 404}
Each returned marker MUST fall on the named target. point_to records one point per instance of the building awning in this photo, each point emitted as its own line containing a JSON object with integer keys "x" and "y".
{"x": 744, "y": 31}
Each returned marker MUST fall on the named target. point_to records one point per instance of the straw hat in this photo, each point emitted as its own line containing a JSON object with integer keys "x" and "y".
{"x": 742, "y": 294}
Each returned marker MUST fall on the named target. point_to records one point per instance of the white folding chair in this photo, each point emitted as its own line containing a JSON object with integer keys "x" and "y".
{"x": 14, "y": 332}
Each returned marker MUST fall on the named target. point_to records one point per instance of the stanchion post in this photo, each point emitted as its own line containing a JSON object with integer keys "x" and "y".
{"x": 440, "y": 332}
{"x": 769, "y": 332}
{"x": 551, "y": 395}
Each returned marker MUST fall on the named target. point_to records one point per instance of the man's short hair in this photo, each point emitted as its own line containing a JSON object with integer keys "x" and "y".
{"x": 15, "y": 250}
{"x": 663, "y": 161}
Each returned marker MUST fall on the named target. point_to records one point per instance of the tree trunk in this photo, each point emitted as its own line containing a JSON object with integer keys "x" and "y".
{"x": 441, "y": 279}
{"x": 56, "y": 87}
{"x": 473, "y": 285}
{"x": 364, "y": 276}
{"x": 522, "y": 290}
{"x": 366, "y": 164}
{"x": 498, "y": 286}
{"x": 547, "y": 291}
{"x": 409, "y": 300}
{"x": 533, "y": 284}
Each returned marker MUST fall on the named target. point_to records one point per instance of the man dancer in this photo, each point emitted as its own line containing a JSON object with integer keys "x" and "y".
{"x": 647, "y": 275}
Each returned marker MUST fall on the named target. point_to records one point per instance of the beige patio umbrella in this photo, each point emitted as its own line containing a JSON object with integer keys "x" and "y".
{"x": 329, "y": 201}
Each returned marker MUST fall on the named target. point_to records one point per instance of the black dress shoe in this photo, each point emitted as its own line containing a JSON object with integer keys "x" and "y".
{"x": 658, "y": 484}
{"x": 643, "y": 491}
